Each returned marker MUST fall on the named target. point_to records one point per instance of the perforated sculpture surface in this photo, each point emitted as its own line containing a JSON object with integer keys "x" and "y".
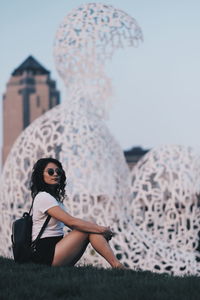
{"x": 165, "y": 184}
{"x": 165, "y": 205}
{"x": 99, "y": 182}
{"x": 86, "y": 39}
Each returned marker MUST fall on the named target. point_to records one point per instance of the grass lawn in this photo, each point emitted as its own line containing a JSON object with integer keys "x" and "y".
{"x": 29, "y": 281}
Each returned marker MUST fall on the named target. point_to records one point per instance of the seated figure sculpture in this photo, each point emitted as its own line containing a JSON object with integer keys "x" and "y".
{"x": 98, "y": 179}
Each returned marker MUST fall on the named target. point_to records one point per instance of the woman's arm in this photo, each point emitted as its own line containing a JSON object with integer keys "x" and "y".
{"x": 76, "y": 223}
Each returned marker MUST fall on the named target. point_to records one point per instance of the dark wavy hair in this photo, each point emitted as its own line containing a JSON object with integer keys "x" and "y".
{"x": 37, "y": 179}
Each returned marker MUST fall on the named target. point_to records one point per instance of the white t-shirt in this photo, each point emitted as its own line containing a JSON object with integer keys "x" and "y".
{"x": 42, "y": 202}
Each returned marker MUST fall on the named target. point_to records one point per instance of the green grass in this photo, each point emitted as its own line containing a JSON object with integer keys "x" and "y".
{"x": 31, "y": 281}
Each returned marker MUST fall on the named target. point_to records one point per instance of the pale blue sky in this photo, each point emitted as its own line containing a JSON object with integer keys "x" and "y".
{"x": 157, "y": 85}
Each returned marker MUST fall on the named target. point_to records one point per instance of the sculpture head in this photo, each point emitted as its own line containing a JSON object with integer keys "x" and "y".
{"x": 85, "y": 41}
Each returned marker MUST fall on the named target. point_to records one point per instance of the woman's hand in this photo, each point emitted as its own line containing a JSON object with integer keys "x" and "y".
{"x": 107, "y": 233}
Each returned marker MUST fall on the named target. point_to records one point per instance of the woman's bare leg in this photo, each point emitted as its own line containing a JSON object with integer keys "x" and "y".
{"x": 100, "y": 244}
{"x": 70, "y": 249}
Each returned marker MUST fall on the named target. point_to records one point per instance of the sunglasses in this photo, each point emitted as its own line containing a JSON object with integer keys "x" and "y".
{"x": 58, "y": 171}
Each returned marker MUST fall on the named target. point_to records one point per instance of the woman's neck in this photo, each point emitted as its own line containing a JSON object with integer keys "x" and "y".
{"x": 52, "y": 189}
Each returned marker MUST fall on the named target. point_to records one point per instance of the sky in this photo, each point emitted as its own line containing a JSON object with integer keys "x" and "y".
{"x": 156, "y": 85}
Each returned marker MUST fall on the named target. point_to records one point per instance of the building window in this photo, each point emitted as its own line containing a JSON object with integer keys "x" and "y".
{"x": 38, "y": 101}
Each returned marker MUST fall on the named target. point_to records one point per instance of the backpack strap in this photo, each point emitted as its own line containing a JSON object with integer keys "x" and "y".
{"x": 41, "y": 230}
{"x": 31, "y": 207}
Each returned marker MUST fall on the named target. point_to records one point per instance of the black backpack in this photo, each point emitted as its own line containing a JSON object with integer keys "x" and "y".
{"x": 21, "y": 237}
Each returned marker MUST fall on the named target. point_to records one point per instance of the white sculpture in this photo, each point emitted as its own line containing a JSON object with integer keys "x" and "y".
{"x": 165, "y": 184}
{"x": 74, "y": 132}
{"x": 164, "y": 206}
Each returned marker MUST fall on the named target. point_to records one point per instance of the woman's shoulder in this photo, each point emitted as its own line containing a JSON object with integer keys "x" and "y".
{"x": 44, "y": 195}
{"x": 44, "y": 201}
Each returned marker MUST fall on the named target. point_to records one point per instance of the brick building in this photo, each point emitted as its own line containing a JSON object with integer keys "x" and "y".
{"x": 30, "y": 92}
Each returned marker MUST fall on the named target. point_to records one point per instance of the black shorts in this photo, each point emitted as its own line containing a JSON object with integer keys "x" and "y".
{"x": 44, "y": 251}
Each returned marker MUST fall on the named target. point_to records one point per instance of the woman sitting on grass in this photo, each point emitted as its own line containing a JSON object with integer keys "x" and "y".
{"x": 53, "y": 248}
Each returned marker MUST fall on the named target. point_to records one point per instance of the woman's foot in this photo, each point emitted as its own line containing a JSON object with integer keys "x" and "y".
{"x": 120, "y": 266}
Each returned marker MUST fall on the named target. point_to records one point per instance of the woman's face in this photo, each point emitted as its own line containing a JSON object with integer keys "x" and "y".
{"x": 52, "y": 174}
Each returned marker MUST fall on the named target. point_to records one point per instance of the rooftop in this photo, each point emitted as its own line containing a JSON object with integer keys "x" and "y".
{"x": 30, "y": 64}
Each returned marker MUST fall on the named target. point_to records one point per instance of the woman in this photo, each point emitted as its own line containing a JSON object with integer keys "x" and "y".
{"x": 48, "y": 191}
